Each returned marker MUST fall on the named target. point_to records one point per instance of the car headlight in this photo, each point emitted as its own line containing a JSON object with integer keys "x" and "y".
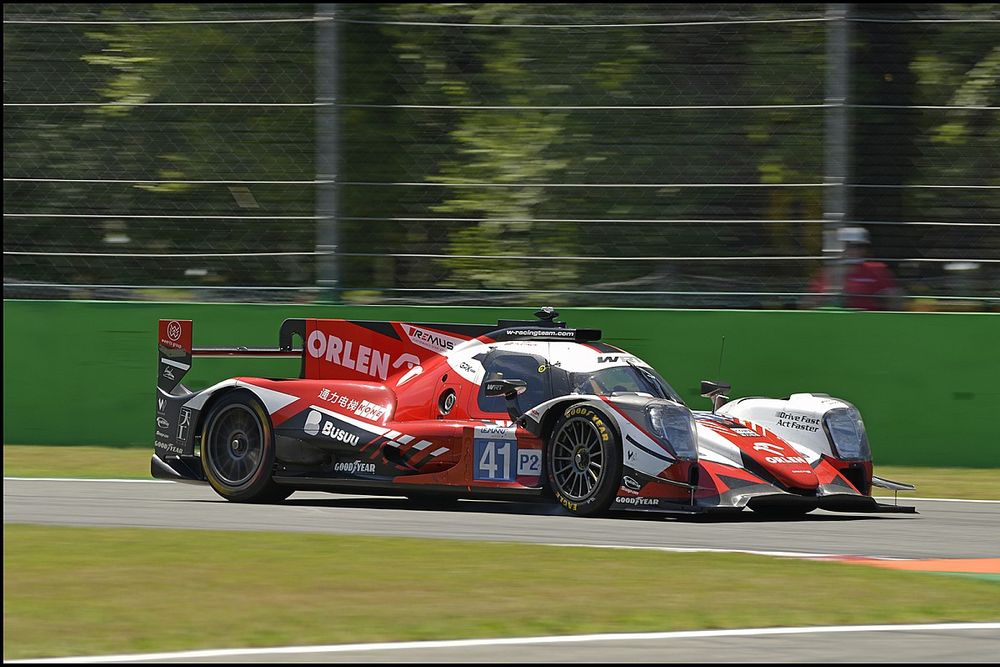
{"x": 847, "y": 433}
{"x": 674, "y": 424}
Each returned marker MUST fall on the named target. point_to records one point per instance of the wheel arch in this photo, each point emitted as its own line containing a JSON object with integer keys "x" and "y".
{"x": 211, "y": 398}
{"x": 557, "y": 410}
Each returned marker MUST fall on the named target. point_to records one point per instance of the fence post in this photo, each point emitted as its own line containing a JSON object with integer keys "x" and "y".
{"x": 327, "y": 151}
{"x": 836, "y": 203}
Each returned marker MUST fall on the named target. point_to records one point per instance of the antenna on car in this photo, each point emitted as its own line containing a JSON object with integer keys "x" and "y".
{"x": 716, "y": 390}
{"x": 721, "y": 352}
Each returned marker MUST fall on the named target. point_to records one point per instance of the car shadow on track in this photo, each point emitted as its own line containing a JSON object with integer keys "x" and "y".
{"x": 553, "y": 509}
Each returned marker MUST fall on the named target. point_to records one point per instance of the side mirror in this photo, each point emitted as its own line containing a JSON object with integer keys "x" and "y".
{"x": 510, "y": 390}
{"x": 506, "y": 388}
{"x": 715, "y": 391}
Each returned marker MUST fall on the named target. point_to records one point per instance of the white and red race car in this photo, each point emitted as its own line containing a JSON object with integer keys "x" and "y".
{"x": 515, "y": 410}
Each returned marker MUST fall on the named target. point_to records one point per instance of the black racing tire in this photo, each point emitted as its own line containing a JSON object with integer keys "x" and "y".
{"x": 237, "y": 451}
{"x": 583, "y": 461}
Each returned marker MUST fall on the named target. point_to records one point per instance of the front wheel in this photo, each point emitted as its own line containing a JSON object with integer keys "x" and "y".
{"x": 237, "y": 452}
{"x": 583, "y": 461}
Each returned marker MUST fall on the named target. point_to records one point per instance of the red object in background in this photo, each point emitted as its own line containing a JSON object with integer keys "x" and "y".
{"x": 862, "y": 285}
{"x": 864, "y": 282}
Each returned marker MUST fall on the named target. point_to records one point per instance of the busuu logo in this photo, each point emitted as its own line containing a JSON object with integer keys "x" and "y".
{"x": 315, "y": 424}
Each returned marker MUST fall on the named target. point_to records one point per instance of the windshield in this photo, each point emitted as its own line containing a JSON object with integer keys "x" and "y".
{"x": 545, "y": 380}
{"x": 631, "y": 379}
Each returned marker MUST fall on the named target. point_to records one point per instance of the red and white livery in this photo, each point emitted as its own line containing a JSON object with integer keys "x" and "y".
{"x": 519, "y": 409}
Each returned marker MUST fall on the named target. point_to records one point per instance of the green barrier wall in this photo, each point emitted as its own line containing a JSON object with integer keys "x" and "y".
{"x": 927, "y": 383}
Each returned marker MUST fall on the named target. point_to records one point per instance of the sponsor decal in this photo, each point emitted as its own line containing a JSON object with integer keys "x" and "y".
{"x": 631, "y": 484}
{"x": 798, "y": 422}
{"x": 168, "y": 372}
{"x": 184, "y": 424}
{"x": 589, "y": 413}
{"x": 745, "y": 432}
{"x": 173, "y": 449}
{"x": 768, "y": 447}
{"x": 778, "y": 451}
{"x": 529, "y": 463}
{"x": 313, "y": 421}
{"x": 174, "y": 331}
{"x": 467, "y": 367}
{"x": 161, "y": 404}
{"x": 785, "y": 459}
{"x": 504, "y": 432}
{"x": 355, "y": 467}
{"x": 360, "y": 358}
{"x": 162, "y": 423}
{"x": 362, "y": 408}
{"x": 567, "y": 503}
{"x": 373, "y": 411}
{"x": 175, "y": 337}
{"x": 548, "y": 333}
{"x": 161, "y": 434}
{"x": 495, "y": 455}
{"x": 340, "y": 435}
{"x": 431, "y": 340}
{"x": 409, "y": 375}
{"x": 635, "y": 500}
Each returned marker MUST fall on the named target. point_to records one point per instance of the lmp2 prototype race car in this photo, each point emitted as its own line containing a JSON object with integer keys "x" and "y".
{"x": 516, "y": 410}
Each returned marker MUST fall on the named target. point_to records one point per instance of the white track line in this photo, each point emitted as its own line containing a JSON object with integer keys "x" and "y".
{"x": 693, "y": 550}
{"x": 508, "y": 641}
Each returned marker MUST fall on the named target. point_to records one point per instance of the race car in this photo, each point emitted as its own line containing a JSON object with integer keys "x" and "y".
{"x": 517, "y": 410}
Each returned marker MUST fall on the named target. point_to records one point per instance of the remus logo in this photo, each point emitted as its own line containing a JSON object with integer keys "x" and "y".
{"x": 431, "y": 340}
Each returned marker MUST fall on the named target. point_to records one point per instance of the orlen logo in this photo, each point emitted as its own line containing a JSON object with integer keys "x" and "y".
{"x": 174, "y": 330}
{"x": 779, "y": 453}
{"x": 363, "y": 360}
{"x": 768, "y": 447}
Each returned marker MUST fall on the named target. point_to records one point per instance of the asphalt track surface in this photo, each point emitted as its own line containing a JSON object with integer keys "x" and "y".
{"x": 940, "y": 530}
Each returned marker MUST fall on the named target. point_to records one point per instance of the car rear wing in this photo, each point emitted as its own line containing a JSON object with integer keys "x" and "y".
{"x": 176, "y": 350}
{"x": 174, "y": 442}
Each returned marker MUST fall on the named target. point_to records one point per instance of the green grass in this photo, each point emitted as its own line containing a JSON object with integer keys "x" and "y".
{"x": 87, "y": 591}
{"x": 133, "y": 463}
{"x": 76, "y": 461}
{"x": 968, "y": 483}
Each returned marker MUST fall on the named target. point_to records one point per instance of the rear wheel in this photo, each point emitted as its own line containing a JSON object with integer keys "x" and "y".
{"x": 237, "y": 451}
{"x": 583, "y": 461}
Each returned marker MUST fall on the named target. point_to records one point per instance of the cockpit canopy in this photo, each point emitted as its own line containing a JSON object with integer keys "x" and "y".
{"x": 551, "y": 370}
